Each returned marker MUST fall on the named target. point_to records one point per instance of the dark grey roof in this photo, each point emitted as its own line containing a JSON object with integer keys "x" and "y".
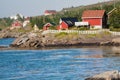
{"x": 70, "y": 21}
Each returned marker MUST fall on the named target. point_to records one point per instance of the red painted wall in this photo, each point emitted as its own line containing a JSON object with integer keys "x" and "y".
{"x": 93, "y": 21}
{"x": 63, "y": 25}
{"x": 16, "y": 24}
{"x": 46, "y": 27}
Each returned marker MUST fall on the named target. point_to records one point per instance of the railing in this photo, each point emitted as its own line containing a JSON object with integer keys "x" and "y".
{"x": 71, "y": 31}
{"x": 115, "y": 33}
{"x": 81, "y": 32}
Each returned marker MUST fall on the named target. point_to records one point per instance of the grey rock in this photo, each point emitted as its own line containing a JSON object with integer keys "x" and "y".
{"x": 109, "y": 75}
{"x": 37, "y": 40}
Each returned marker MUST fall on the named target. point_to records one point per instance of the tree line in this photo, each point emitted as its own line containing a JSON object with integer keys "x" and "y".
{"x": 113, "y": 21}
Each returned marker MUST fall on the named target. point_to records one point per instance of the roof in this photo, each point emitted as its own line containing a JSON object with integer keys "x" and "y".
{"x": 48, "y": 24}
{"x": 93, "y": 14}
{"x": 50, "y": 11}
{"x": 70, "y": 21}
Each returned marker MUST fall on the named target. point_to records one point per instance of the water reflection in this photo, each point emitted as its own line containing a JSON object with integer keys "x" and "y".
{"x": 100, "y": 52}
{"x": 111, "y": 51}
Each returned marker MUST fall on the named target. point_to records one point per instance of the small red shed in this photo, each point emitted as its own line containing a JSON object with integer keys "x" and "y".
{"x": 46, "y": 26}
{"x": 16, "y": 24}
{"x": 96, "y": 18}
{"x": 65, "y": 23}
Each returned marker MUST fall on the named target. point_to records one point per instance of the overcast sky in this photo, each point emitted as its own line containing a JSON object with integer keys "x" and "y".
{"x": 37, "y": 7}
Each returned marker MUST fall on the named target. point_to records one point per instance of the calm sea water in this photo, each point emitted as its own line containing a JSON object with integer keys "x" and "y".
{"x": 55, "y": 64}
{"x": 6, "y": 41}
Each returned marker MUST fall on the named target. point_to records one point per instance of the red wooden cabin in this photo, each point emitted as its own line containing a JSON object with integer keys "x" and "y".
{"x": 17, "y": 24}
{"x": 46, "y": 26}
{"x": 96, "y": 18}
{"x": 65, "y": 23}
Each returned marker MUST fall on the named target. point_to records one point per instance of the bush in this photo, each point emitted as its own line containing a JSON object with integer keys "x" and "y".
{"x": 91, "y": 35}
{"x": 106, "y": 33}
{"x": 115, "y": 29}
{"x": 115, "y": 19}
{"x": 53, "y": 27}
{"x": 0, "y": 29}
{"x": 62, "y": 34}
{"x": 83, "y": 28}
{"x": 111, "y": 28}
{"x": 73, "y": 28}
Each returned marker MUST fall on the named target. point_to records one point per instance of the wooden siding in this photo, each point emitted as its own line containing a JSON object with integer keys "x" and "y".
{"x": 63, "y": 25}
{"x": 93, "y": 21}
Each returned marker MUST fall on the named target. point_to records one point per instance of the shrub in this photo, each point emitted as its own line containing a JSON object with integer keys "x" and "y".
{"x": 115, "y": 18}
{"x": 91, "y": 35}
{"x": 62, "y": 34}
{"x": 106, "y": 33}
{"x": 115, "y": 29}
{"x": 52, "y": 27}
{"x": 111, "y": 28}
{"x": 83, "y": 28}
{"x": 73, "y": 28}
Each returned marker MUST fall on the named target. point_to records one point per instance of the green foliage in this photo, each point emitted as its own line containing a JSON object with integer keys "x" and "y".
{"x": 91, "y": 35}
{"x": 99, "y": 35}
{"x": 70, "y": 12}
{"x": 79, "y": 28}
{"x": 115, "y": 18}
{"x": 73, "y": 35}
{"x": 21, "y": 30}
{"x": 62, "y": 34}
{"x": 40, "y": 21}
{"x": 106, "y": 33}
{"x": 53, "y": 28}
{"x": 115, "y": 29}
{"x": 83, "y": 28}
{"x": 5, "y": 22}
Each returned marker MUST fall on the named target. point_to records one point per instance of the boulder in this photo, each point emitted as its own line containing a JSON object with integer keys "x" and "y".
{"x": 10, "y": 34}
{"x": 27, "y": 41}
{"x": 109, "y": 75}
{"x": 116, "y": 40}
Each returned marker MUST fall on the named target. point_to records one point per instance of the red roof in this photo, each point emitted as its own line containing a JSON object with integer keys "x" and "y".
{"x": 93, "y": 14}
{"x": 50, "y": 11}
{"x": 48, "y": 25}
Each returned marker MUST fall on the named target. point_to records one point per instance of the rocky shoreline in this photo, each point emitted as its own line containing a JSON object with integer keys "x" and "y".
{"x": 37, "y": 40}
{"x": 7, "y": 33}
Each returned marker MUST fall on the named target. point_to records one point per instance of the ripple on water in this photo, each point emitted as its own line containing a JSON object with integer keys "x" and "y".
{"x": 56, "y": 64}
{"x": 15, "y": 78}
